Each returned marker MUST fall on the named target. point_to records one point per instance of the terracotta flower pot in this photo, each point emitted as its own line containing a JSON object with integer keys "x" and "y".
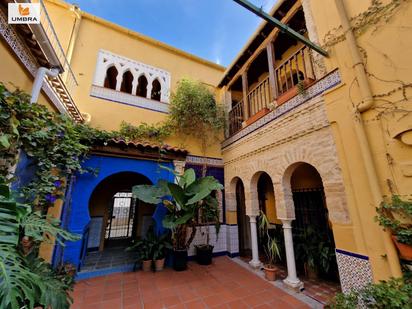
{"x": 270, "y": 273}
{"x": 147, "y": 265}
{"x": 159, "y": 264}
{"x": 405, "y": 251}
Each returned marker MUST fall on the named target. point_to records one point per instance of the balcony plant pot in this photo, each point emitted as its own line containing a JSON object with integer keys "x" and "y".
{"x": 180, "y": 260}
{"x": 270, "y": 272}
{"x": 204, "y": 254}
{"x": 147, "y": 265}
{"x": 405, "y": 251}
{"x": 159, "y": 264}
{"x": 257, "y": 116}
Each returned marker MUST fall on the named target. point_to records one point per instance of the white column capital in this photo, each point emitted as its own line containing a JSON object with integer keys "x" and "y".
{"x": 252, "y": 218}
{"x": 287, "y": 223}
{"x": 179, "y": 166}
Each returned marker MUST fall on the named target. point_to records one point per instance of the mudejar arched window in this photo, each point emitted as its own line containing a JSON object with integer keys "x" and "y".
{"x": 142, "y": 86}
{"x": 127, "y": 82}
{"x": 156, "y": 90}
{"x": 111, "y": 78}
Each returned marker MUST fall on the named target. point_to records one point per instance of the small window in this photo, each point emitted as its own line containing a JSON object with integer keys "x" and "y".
{"x": 141, "y": 90}
{"x": 156, "y": 90}
{"x": 127, "y": 82}
{"x": 110, "y": 80}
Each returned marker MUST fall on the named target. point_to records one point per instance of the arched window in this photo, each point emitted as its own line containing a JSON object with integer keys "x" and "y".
{"x": 111, "y": 78}
{"x": 127, "y": 82}
{"x": 156, "y": 90}
{"x": 141, "y": 90}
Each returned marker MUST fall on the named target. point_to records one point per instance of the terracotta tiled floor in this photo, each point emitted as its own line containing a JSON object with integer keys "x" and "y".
{"x": 221, "y": 285}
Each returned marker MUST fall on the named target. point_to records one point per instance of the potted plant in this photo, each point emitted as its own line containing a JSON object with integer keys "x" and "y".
{"x": 314, "y": 251}
{"x": 144, "y": 250}
{"x": 208, "y": 214}
{"x": 396, "y": 216}
{"x": 182, "y": 201}
{"x": 270, "y": 246}
{"x": 160, "y": 244}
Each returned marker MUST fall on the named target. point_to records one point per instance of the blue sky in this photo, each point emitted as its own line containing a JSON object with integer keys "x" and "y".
{"x": 212, "y": 29}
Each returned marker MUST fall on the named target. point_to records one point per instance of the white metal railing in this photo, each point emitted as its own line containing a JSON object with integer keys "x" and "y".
{"x": 70, "y": 80}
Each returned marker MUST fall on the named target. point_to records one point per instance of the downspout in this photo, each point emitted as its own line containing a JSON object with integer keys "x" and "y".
{"x": 366, "y": 103}
{"x": 38, "y": 81}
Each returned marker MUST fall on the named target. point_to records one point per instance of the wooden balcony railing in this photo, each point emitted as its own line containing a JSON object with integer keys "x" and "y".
{"x": 236, "y": 118}
{"x": 259, "y": 97}
{"x": 297, "y": 67}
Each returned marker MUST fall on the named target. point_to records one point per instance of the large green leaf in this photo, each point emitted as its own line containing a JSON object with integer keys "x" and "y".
{"x": 188, "y": 178}
{"x": 18, "y": 285}
{"x": 149, "y": 193}
{"x": 178, "y": 195}
{"x": 202, "y": 188}
{"x": 9, "y": 225}
{"x": 171, "y": 222}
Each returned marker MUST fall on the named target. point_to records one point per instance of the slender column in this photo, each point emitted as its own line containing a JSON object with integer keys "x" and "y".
{"x": 272, "y": 77}
{"x": 255, "y": 263}
{"x": 245, "y": 87}
{"x": 291, "y": 280}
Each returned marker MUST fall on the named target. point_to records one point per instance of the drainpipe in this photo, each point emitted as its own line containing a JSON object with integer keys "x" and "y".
{"x": 38, "y": 81}
{"x": 73, "y": 38}
{"x": 366, "y": 103}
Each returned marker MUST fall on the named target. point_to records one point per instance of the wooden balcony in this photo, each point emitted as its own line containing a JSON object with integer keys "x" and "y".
{"x": 236, "y": 118}
{"x": 289, "y": 78}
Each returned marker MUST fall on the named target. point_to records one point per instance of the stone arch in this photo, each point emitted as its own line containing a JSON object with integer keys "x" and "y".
{"x": 142, "y": 83}
{"x": 111, "y": 75}
{"x": 156, "y": 90}
{"x": 332, "y": 185}
{"x": 127, "y": 81}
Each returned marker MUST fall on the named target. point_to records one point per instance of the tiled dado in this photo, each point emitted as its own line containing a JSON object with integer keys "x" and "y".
{"x": 226, "y": 241}
{"x": 354, "y": 270}
{"x": 327, "y": 82}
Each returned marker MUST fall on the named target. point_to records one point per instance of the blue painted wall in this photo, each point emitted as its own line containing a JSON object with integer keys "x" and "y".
{"x": 79, "y": 217}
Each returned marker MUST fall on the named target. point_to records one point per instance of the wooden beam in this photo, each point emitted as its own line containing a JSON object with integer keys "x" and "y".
{"x": 272, "y": 77}
{"x": 271, "y": 37}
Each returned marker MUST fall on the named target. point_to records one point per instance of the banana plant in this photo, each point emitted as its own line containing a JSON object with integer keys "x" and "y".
{"x": 183, "y": 198}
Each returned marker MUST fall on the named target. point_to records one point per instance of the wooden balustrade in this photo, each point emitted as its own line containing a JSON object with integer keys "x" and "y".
{"x": 297, "y": 67}
{"x": 259, "y": 97}
{"x": 236, "y": 118}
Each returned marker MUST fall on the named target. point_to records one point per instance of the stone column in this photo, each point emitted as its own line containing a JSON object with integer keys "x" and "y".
{"x": 255, "y": 263}
{"x": 291, "y": 280}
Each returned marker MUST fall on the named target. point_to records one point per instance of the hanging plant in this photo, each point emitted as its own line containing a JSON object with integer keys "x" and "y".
{"x": 195, "y": 113}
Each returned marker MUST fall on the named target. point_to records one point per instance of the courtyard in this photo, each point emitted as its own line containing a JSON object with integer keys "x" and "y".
{"x": 224, "y": 284}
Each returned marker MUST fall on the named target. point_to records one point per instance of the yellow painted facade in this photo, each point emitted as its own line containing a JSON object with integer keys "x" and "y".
{"x": 328, "y": 132}
{"x": 94, "y": 34}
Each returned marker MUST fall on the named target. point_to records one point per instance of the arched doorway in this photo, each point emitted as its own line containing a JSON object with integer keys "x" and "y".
{"x": 242, "y": 220}
{"x": 116, "y": 220}
{"x": 312, "y": 231}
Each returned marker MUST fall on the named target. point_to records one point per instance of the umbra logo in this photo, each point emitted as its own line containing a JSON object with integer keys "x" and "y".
{"x": 27, "y": 13}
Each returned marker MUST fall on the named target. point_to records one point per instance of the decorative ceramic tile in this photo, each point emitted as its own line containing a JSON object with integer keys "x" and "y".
{"x": 354, "y": 270}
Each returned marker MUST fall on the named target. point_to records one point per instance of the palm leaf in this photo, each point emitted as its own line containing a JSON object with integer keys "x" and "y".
{"x": 18, "y": 285}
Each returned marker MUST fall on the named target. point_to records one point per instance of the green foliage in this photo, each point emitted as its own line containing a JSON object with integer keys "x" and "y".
{"x": 391, "y": 294}
{"x": 187, "y": 196}
{"x": 390, "y": 215}
{"x": 194, "y": 112}
{"x": 144, "y": 132}
{"x": 271, "y": 245}
{"x": 314, "y": 250}
{"x": 54, "y": 141}
{"x": 153, "y": 246}
{"x": 26, "y": 280}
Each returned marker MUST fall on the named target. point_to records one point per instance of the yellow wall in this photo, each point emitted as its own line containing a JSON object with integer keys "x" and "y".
{"x": 95, "y": 34}
{"x": 386, "y": 48}
{"x": 13, "y": 74}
